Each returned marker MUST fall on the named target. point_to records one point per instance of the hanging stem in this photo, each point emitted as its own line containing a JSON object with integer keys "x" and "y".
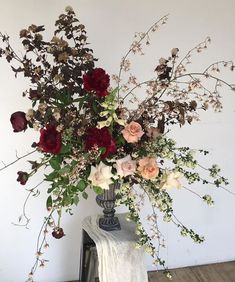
{"x": 18, "y": 158}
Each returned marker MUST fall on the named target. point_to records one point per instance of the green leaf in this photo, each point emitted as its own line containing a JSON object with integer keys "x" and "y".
{"x": 76, "y": 199}
{"x": 34, "y": 103}
{"x": 73, "y": 163}
{"x": 53, "y": 187}
{"x": 54, "y": 163}
{"x": 102, "y": 150}
{"x": 98, "y": 190}
{"x": 81, "y": 185}
{"x": 64, "y": 98}
{"x": 81, "y": 102}
{"x": 66, "y": 149}
{"x": 65, "y": 181}
{"x": 85, "y": 195}
{"x": 67, "y": 200}
{"x": 112, "y": 95}
{"x": 64, "y": 170}
{"x": 95, "y": 107}
{"x": 51, "y": 176}
{"x": 121, "y": 140}
{"x": 77, "y": 100}
{"x": 49, "y": 203}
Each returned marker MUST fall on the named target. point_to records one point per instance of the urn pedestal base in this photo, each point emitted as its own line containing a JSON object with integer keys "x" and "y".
{"x": 108, "y": 222}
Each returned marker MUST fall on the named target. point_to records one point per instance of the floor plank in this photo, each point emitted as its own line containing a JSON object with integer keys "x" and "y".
{"x": 226, "y": 270}
{"x": 184, "y": 274}
{"x": 207, "y": 273}
{"x": 219, "y": 272}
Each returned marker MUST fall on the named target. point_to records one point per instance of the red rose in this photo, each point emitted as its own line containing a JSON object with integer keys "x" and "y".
{"x": 22, "y": 177}
{"x": 50, "y": 140}
{"x": 101, "y": 138}
{"x": 96, "y": 80}
{"x": 58, "y": 233}
{"x": 18, "y": 121}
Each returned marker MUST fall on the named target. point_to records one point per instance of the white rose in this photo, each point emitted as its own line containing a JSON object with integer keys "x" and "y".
{"x": 125, "y": 166}
{"x": 101, "y": 176}
{"x": 171, "y": 180}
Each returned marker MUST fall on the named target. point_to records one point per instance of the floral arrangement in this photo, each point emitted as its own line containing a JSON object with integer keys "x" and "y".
{"x": 95, "y": 130}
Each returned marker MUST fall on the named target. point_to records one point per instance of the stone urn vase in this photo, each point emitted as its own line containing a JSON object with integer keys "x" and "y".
{"x": 108, "y": 221}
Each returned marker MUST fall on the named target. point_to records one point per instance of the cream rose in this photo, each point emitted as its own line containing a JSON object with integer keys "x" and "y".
{"x": 101, "y": 176}
{"x": 171, "y": 180}
{"x": 148, "y": 168}
{"x": 132, "y": 132}
{"x": 125, "y": 166}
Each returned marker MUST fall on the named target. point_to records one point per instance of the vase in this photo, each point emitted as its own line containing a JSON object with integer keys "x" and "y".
{"x": 108, "y": 222}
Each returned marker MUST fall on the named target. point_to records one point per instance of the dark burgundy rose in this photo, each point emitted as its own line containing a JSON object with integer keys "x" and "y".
{"x": 18, "y": 121}
{"x": 50, "y": 140}
{"x": 110, "y": 150}
{"x": 101, "y": 138}
{"x": 22, "y": 177}
{"x": 96, "y": 80}
{"x": 58, "y": 233}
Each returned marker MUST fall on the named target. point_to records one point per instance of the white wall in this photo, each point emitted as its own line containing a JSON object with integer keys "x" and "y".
{"x": 110, "y": 26}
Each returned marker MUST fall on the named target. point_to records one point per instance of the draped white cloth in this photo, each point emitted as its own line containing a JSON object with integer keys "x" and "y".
{"x": 118, "y": 258}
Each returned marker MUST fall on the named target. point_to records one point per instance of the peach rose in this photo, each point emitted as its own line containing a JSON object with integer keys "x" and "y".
{"x": 132, "y": 132}
{"x": 148, "y": 168}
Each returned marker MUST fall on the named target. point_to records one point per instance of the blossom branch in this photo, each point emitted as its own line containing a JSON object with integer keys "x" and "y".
{"x": 191, "y": 191}
{"x": 40, "y": 245}
{"x": 207, "y": 76}
{"x": 198, "y": 48}
{"x": 224, "y": 63}
{"x": 18, "y": 158}
{"x": 161, "y": 20}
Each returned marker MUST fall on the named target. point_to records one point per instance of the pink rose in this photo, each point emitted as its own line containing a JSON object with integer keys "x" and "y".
{"x": 148, "y": 168}
{"x": 132, "y": 132}
{"x": 125, "y": 166}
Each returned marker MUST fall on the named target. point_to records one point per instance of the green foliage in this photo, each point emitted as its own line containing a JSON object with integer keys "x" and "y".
{"x": 97, "y": 190}
{"x": 81, "y": 186}
{"x": 49, "y": 202}
{"x": 55, "y": 162}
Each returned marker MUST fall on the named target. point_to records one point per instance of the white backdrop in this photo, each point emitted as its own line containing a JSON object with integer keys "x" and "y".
{"x": 110, "y": 26}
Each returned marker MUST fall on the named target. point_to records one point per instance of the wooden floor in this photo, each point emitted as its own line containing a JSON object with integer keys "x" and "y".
{"x": 219, "y": 272}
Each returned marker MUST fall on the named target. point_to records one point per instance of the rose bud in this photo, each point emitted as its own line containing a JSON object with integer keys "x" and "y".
{"x": 174, "y": 52}
{"x": 22, "y": 177}
{"x": 18, "y": 121}
{"x": 58, "y": 233}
